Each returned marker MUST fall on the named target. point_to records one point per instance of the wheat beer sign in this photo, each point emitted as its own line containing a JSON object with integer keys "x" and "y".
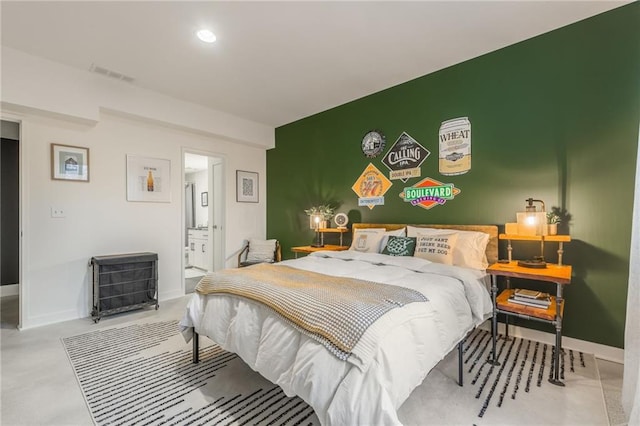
{"x": 455, "y": 147}
{"x": 404, "y": 158}
{"x": 429, "y": 193}
{"x": 371, "y": 187}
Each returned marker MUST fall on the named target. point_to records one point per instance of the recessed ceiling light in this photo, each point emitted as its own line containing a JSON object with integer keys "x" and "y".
{"x": 207, "y": 36}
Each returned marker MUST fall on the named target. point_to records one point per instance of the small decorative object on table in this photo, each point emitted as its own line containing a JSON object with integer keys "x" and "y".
{"x": 341, "y": 220}
{"x": 552, "y": 222}
{"x": 323, "y": 212}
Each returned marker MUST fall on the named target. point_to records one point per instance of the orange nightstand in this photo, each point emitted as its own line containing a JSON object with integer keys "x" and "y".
{"x": 559, "y": 274}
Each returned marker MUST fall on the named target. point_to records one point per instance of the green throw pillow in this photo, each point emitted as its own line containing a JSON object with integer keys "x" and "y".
{"x": 400, "y": 246}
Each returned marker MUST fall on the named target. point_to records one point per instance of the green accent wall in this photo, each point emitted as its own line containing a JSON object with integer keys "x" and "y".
{"x": 554, "y": 117}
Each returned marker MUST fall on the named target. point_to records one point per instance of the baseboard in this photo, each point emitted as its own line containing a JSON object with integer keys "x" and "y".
{"x": 170, "y": 295}
{"x": 9, "y": 290}
{"x": 41, "y": 320}
{"x": 605, "y": 352}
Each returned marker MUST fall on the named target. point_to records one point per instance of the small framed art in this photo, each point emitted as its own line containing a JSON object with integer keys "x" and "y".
{"x": 246, "y": 186}
{"x": 204, "y": 199}
{"x": 69, "y": 163}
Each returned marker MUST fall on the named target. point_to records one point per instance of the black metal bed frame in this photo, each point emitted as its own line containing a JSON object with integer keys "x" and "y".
{"x": 196, "y": 353}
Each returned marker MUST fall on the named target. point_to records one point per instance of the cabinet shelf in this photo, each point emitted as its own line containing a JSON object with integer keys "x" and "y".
{"x": 199, "y": 248}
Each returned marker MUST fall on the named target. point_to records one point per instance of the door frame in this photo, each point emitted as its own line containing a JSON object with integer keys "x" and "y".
{"x": 216, "y": 193}
{"x": 22, "y": 214}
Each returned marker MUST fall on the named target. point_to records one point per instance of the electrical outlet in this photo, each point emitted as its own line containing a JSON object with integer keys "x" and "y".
{"x": 57, "y": 212}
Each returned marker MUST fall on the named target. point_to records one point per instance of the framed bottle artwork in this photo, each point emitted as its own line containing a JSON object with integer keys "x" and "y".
{"x": 148, "y": 179}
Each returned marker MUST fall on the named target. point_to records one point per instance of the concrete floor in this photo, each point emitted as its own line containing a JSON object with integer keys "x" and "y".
{"x": 38, "y": 386}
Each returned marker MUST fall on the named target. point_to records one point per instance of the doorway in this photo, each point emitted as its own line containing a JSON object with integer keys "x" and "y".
{"x": 203, "y": 207}
{"x": 10, "y": 224}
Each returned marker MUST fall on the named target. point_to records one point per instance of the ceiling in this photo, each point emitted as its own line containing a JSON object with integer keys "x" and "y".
{"x": 277, "y": 62}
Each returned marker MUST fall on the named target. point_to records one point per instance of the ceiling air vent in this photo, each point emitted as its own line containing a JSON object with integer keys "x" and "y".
{"x": 113, "y": 74}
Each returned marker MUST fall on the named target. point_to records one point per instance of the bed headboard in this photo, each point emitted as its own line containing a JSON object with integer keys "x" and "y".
{"x": 492, "y": 230}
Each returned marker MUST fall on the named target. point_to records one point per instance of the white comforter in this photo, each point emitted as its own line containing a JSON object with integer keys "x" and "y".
{"x": 392, "y": 358}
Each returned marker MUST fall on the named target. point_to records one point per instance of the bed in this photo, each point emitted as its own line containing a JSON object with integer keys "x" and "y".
{"x": 392, "y": 356}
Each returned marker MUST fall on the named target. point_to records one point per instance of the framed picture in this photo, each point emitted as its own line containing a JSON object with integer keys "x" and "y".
{"x": 246, "y": 187}
{"x": 204, "y": 199}
{"x": 69, "y": 163}
{"x": 148, "y": 179}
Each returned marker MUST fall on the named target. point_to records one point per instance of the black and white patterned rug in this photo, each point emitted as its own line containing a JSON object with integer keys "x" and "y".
{"x": 142, "y": 374}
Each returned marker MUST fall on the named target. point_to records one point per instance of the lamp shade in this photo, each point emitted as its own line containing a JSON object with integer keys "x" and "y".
{"x": 532, "y": 223}
{"x": 315, "y": 221}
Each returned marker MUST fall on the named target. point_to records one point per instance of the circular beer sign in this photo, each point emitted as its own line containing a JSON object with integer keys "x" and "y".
{"x": 373, "y": 143}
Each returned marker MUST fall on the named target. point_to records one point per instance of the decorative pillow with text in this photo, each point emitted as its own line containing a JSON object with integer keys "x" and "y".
{"x": 436, "y": 248}
{"x": 469, "y": 251}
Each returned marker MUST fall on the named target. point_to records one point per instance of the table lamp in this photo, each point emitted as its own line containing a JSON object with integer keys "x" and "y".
{"x": 316, "y": 219}
{"x": 534, "y": 223}
{"x": 531, "y": 221}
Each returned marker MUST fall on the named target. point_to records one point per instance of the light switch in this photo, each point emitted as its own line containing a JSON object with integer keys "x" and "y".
{"x": 57, "y": 212}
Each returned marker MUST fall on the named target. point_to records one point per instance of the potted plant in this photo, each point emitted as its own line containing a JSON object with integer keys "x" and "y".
{"x": 553, "y": 218}
{"x": 324, "y": 211}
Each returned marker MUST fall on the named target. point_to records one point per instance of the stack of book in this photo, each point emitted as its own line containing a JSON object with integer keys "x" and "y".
{"x": 537, "y": 299}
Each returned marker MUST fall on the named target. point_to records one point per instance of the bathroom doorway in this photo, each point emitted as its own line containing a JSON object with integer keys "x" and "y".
{"x": 203, "y": 216}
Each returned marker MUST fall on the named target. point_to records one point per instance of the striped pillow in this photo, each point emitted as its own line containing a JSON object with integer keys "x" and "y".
{"x": 261, "y": 250}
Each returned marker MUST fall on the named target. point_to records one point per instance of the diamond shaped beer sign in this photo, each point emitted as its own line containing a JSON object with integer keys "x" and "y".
{"x": 429, "y": 193}
{"x": 404, "y": 158}
{"x": 371, "y": 187}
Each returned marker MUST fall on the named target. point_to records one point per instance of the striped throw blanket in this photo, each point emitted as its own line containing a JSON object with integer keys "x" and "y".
{"x": 335, "y": 311}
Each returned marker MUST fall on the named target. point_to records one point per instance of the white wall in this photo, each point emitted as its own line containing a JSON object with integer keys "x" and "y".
{"x": 59, "y": 104}
{"x": 100, "y": 221}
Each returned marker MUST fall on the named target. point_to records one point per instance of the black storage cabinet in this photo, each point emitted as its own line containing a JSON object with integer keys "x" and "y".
{"x": 123, "y": 282}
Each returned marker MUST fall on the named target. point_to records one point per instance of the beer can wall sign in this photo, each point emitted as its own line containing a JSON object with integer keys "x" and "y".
{"x": 455, "y": 146}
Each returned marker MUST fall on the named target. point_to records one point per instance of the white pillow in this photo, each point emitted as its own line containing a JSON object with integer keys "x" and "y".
{"x": 436, "y": 248}
{"x": 367, "y": 240}
{"x": 402, "y": 232}
{"x": 261, "y": 250}
{"x": 470, "y": 247}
